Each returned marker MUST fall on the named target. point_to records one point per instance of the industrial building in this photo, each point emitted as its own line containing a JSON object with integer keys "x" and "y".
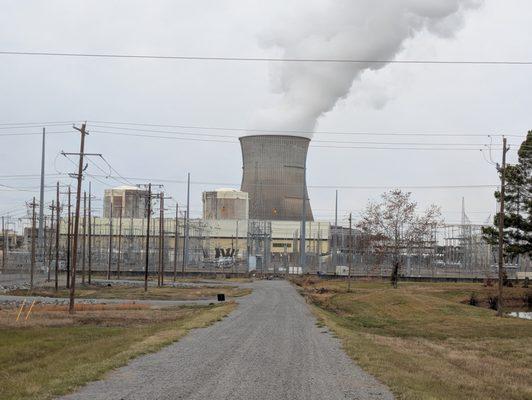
{"x": 128, "y": 200}
{"x": 274, "y": 169}
{"x": 225, "y": 204}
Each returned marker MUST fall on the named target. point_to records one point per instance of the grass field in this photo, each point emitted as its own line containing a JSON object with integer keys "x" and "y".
{"x": 129, "y": 292}
{"x": 52, "y": 352}
{"x": 425, "y": 342}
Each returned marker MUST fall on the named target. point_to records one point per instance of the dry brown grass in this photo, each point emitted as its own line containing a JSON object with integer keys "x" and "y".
{"x": 128, "y": 292}
{"x": 53, "y": 352}
{"x": 425, "y": 343}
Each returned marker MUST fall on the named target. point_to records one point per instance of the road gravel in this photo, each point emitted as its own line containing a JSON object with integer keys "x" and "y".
{"x": 269, "y": 348}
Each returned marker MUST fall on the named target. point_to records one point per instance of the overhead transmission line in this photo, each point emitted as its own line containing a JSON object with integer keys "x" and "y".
{"x": 263, "y": 59}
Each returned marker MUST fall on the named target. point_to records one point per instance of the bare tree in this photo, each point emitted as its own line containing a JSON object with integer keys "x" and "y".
{"x": 395, "y": 228}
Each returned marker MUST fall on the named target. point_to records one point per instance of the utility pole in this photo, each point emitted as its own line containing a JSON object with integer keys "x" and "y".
{"x": 69, "y": 231}
{"x": 57, "y": 231}
{"x": 84, "y": 242}
{"x": 90, "y": 235}
{"x": 83, "y": 132}
{"x": 502, "y": 171}
{"x": 303, "y": 249}
{"x": 52, "y": 207}
{"x": 119, "y": 243}
{"x": 161, "y": 240}
{"x": 335, "y": 230}
{"x": 147, "y": 241}
{"x": 4, "y": 246}
{"x": 33, "y": 238}
{"x": 350, "y": 254}
{"x": 41, "y": 199}
{"x": 187, "y": 227}
{"x": 110, "y": 241}
{"x": 176, "y": 239}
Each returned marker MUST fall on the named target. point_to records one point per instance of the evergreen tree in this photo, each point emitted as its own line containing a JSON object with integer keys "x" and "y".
{"x": 517, "y": 206}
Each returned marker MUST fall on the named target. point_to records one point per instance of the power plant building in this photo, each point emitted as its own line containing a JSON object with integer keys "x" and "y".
{"x": 128, "y": 200}
{"x": 274, "y": 168}
{"x": 225, "y": 204}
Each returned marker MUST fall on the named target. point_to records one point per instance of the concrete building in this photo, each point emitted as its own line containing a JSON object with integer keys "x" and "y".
{"x": 130, "y": 200}
{"x": 225, "y": 204}
{"x": 274, "y": 168}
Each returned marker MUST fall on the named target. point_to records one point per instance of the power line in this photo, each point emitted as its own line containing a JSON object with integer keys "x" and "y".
{"x": 304, "y": 132}
{"x": 167, "y": 180}
{"x": 265, "y": 59}
{"x": 128, "y": 126}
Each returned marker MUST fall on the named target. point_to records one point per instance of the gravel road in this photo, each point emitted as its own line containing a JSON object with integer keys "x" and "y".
{"x": 269, "y": 348}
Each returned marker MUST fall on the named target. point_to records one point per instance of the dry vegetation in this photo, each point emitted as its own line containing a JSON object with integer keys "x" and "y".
{"x": 129, "y": 292}
{"x": 425, "y": 341}
{"x": 52, "y": 352}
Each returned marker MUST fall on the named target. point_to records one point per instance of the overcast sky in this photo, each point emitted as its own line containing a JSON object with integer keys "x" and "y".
{"x": 471, "y": 99}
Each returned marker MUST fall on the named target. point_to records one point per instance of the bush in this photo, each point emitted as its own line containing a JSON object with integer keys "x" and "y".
{"x": 473, "y": 301}
{"x": 493, "y": 302}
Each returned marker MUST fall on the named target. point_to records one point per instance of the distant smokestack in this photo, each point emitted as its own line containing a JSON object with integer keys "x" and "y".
{"x": 274, "y": 176}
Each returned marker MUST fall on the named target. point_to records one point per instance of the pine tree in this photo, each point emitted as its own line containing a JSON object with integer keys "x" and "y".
{"x": 518, "y": 205}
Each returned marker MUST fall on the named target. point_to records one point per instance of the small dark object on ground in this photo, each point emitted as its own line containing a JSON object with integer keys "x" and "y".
{"x": 526, "y": 282}
{"x": 493, "y": 302}
{"x": 321, "y": 290}
{"x": 488, "y": 282}
{"x": 527, "y": 299}
{"x": 221, "y": 297}
{"x": 473, "y": 301}
{"x": 109, "y": 285}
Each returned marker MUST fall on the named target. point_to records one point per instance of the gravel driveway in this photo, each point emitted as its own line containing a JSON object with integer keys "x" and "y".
{"x": 269, "y": 348}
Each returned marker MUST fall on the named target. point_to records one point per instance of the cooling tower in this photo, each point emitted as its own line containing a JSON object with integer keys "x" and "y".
{"x": 274, "y": 176}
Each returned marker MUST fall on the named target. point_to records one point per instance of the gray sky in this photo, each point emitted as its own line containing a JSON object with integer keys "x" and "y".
{"x": 397, "y": 98}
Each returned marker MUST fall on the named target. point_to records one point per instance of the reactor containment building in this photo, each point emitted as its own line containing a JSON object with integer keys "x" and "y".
{"x": 274, "y": 169}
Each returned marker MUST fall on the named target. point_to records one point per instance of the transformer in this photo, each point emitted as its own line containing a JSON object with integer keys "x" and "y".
{"x": 274, "y": 168}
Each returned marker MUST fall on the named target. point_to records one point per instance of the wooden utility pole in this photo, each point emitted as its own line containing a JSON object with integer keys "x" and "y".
{"x": 350, "y": 254}
{"x": 160, "y": 280}
{"x": 32, "y": 265}
{"x": 147, "y": 241}
{"x": 4, "y": 246}
{"x": 69, "y": 231}
{"x": 110, "y": 241}
{"x": 176, "y": 239}
{"x": 57, "y": 231}
{"x": 83, "y": 132}
{"x": 50, "y": 243}
{"x": 119, "y": 244}
{"x": 502, "y": 171}
{"x": 90, "y": 236}
{"x": 84, "y": 242}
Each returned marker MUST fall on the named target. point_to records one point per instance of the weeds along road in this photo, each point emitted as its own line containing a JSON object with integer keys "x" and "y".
{"x": 269, "y": 348}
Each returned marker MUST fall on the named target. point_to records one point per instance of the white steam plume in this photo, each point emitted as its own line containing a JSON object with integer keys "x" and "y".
{"x": 342, "y": 29}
